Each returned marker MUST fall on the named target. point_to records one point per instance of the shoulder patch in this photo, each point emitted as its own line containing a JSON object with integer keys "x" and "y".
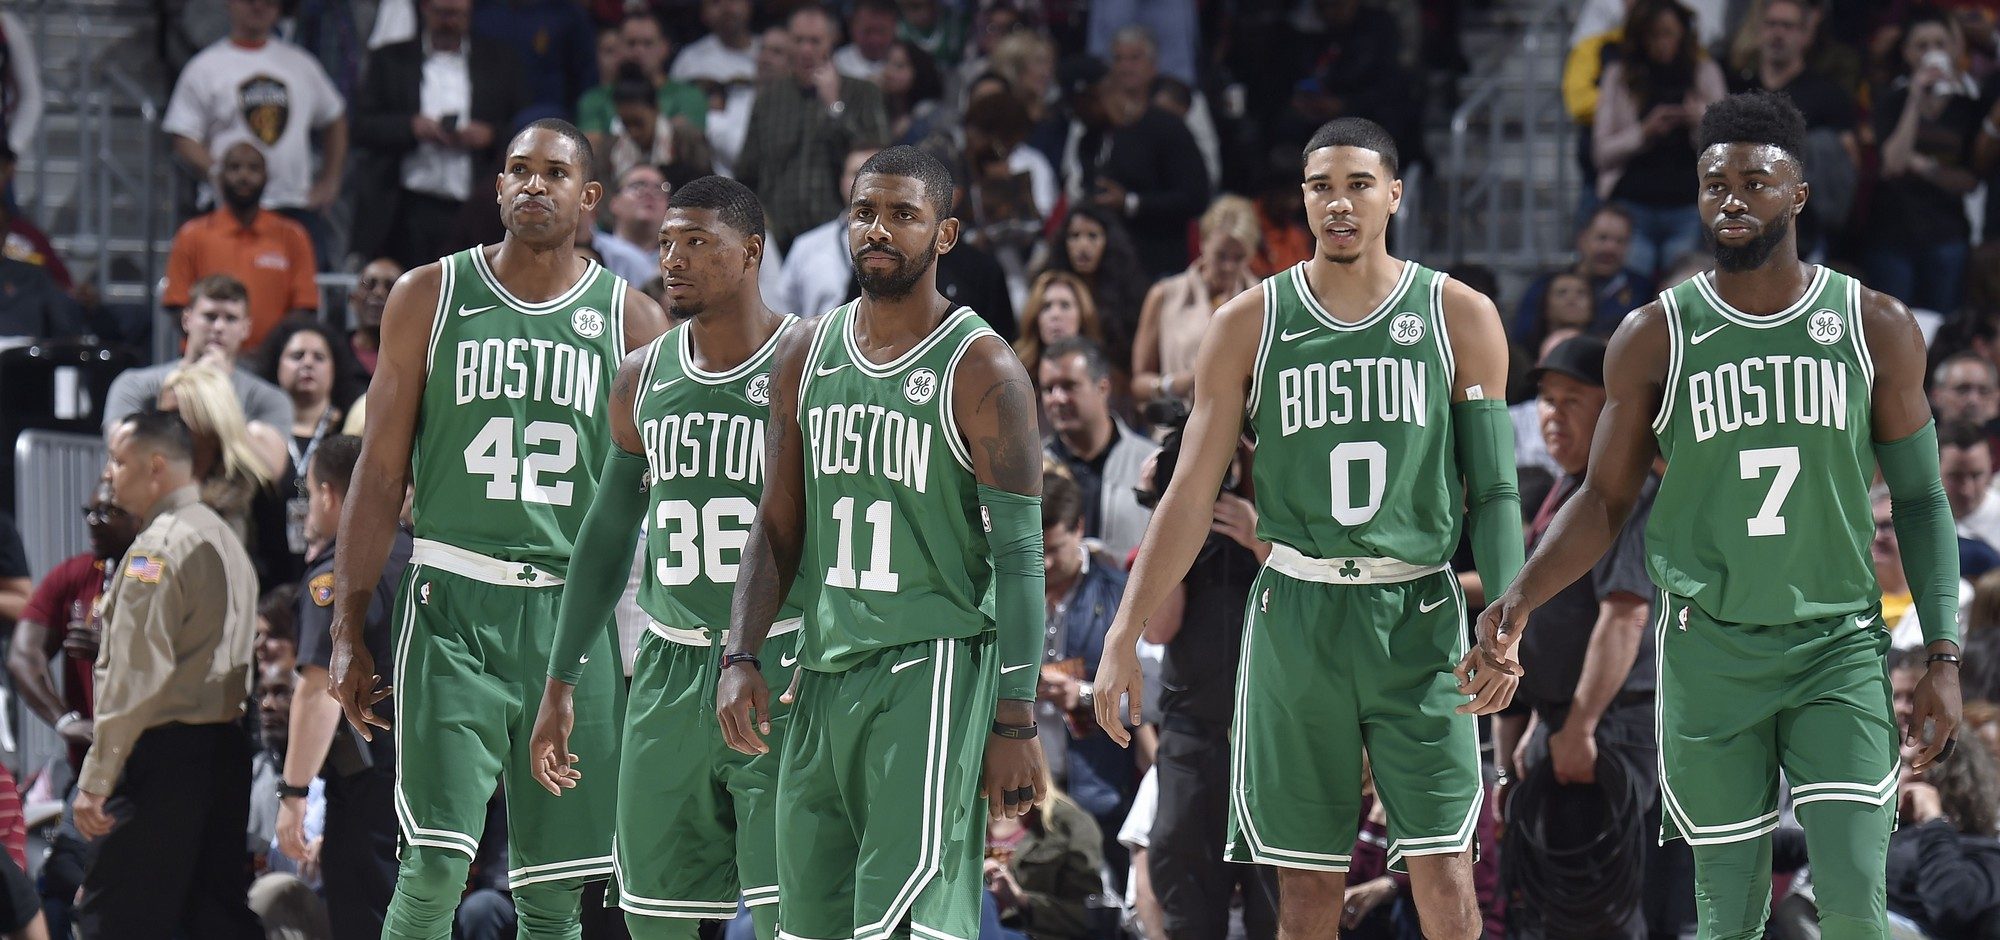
{"x": 321, "y": 589}
{"x": 146, "y": 568}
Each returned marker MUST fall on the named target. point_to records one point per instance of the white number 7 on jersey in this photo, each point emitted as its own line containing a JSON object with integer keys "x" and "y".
{"x": 1752, "y": 464}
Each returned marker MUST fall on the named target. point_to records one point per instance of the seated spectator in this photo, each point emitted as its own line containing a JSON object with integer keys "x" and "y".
{"x": 1379, "y": 905}
{"x": 1603, "y": 245}
{"x": 286, "y": 895}
{"x": 1135, "y": 74}
{"x": 32, "y": 306}
{"x": 277, "y": 629}
{"x": 552, "y": 40}
{"x": 358, "y": 856}
{"x": 638, "y": 203}
{"x": 365, "y": 304}
{"x": 22, "y": 240}
{"x": 1965, "y": 386}
{"x": 271, "y": 254}
{"x": 1918, "y": 232}
{"x": 935, "y": 27}
{"x": 802, "y": 126}
{"x": 644, "y": 136}
{"x": 215, "y": 323}
{"x": 872, "y": 27}
{"x": 1103, "y": 454}
{"x": 1042, "y": 869}
{"x": 1178, "y": 309}
{"x": 1093, "y": 244}
{"x": 647, "y": 49}
{"x": 1026, "y": 61}
{"x": 1133, "y": 160}
{"x": 1966, "y": 463}
{"x": 1782, "y": 60}
{"x": 727, "y": 55}
{"x": 1944, "y": 860}
{"x": 62, "y": 618}
{"x": 431, "y": 116}
{"x": 1084, "y": 587}
{"x": 1059, "y": 307}
{"x": 818, "y": 270}
{"x": 251, "y": 85}
{"x": 1649, "y": 107}
{"x": 996, "y": 146}
{"x": 912, "y": 90}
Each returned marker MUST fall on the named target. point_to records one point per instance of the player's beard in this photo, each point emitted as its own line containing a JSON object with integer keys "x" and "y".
{"x": 681, "y": 311}
{"x": 896, "y": 284}
{"x": 1752, "y": 254}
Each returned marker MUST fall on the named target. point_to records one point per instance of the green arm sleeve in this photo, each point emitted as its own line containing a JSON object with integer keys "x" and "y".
{"x": 1485, "y": 438}
{"x": 1020, "y": 609}
{"x": 1929, "y": 541}
{"x": 610, "y": 532}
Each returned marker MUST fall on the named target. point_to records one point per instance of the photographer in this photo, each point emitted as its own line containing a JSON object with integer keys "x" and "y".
{"x": 1918, "y": 229}
{"x": 1201, "y": 626}
{"x": 1102, "y": 454}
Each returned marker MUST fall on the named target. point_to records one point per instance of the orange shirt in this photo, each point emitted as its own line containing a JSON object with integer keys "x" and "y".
{"x": 273, "y": 257}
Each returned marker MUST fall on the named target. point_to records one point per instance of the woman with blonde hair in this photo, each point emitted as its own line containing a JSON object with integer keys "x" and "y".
{"x": 1177, "y": 310}
{"x": 236, "y": 462}
{"x": 1059, "y": 306}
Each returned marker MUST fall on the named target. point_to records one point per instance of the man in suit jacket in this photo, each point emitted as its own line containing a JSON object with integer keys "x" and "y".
{"x": 432, "y": 116}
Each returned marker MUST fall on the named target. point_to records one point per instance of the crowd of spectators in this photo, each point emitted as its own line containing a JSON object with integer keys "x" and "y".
{"x": 1124, "y": 166}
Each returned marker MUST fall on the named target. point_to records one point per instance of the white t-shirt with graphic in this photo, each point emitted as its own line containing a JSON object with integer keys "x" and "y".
{"x": 274, "y": 95}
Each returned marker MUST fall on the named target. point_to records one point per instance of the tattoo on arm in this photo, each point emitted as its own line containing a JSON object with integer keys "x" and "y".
{"x": 1013, "y": 455}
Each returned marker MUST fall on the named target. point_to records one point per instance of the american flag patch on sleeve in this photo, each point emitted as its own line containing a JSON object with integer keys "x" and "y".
{"x": 144, "y": 567}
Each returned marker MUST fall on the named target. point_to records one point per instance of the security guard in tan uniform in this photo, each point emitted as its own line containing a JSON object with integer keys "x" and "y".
{"x": 165, "y": 788}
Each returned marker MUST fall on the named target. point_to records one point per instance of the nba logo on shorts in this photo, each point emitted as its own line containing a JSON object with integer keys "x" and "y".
{"x": 920, "y": 386}
{"x": 587, "y": 322}
{"x": 1407, "y": 329}
{"x": 1825, "y": 327}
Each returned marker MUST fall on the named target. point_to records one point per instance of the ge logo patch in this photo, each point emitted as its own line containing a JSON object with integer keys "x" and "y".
{"x": 920, "y": 386}
{"x": 1406, "y": 329}
{"x": 1825, "y": 327}
{"x": 759, "y": 389}
{"x": 587, "y": 322}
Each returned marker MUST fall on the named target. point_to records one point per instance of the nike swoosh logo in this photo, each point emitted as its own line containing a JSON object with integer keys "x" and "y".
{"x": 465, "y": 311}
{"x": 1007, "y": 669}
{"x": 899, "y": 667}
{"x": 580, "y": 660}
{"x": 787, "y": 662}
{"x": 1288, "y": 335}
{"x": 1433, "y": 605}
{"x": 1864, "y": 622}
{"x": 823, "y": 371}
{"x": 1698, "y": 337}
{"x": 662, "y": 386}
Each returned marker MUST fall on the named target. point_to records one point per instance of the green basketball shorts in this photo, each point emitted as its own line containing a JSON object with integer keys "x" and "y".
{"x": 472, "y": 655}
{"x": 878, "y": 795}
{"x": 697, "y": 821}
{"x": 1740, "y": 702}
{"x": 1330, "y": 670}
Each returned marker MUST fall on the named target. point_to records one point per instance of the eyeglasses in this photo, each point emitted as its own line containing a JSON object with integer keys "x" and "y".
{"x": 373, "y": 283}
{"x": 93, "y": 515}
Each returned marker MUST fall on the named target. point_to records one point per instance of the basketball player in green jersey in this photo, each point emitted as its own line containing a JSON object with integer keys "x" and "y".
{"x": 696, "y": 820}
{"x": 1372, "y": 386}
{"x": 1774, "y": 389}
{"x": 490, "y": 400}
{"x": 904, "y": 488}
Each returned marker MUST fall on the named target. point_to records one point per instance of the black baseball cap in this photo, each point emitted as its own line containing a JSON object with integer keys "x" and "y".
{"x": 1081, "y": 74}
{"x": 1579, "y": 357}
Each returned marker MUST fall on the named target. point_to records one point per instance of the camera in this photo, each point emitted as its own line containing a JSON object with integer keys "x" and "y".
{"x": 1164, "y": 413}
{"x": 1148, "y": 493}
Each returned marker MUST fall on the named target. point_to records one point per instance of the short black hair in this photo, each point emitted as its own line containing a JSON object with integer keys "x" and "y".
{"x": 586, "y": 155}
{"x": 334, "y": 459}
{"x": 1355, "y": 132}
{"x": 631, "y": 86}
{"x": 1062, "y": 501}
{"x": 1755, "y": 117}
{"x": 918, "y": 164}
{"x": 1094, "y": 360}
{"x": 1963, "y": 435}
{"x": 162, "y": 431}
{"x": 280, "y": 609}
{"x": 736, "y": 203}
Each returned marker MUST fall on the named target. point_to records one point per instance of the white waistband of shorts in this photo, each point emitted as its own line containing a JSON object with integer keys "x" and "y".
{"x": 470, "y": 564}
{"x": 1287, "y": 560}
{"x": 699, "y": 636}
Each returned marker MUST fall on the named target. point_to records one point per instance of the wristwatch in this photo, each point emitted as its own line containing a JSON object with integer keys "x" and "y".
{"x": 286, "y": 791}
{"x": 837, "y": 108}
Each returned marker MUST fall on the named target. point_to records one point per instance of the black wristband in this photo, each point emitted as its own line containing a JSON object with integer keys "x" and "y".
{"x": 287, "y": 791}
{"x": 731, "y": 659}
{"x": 1943, "y": 658}
{"x": 1014, "y": 732}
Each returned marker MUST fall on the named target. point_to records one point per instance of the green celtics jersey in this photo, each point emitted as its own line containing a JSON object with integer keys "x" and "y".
{"x": 704, "y": 436}
{"x": 1353, "y": 424}
{"x": 892, "y": 512}
{"x": 1763, "y": 514}
{"x": 512, "y": 429}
